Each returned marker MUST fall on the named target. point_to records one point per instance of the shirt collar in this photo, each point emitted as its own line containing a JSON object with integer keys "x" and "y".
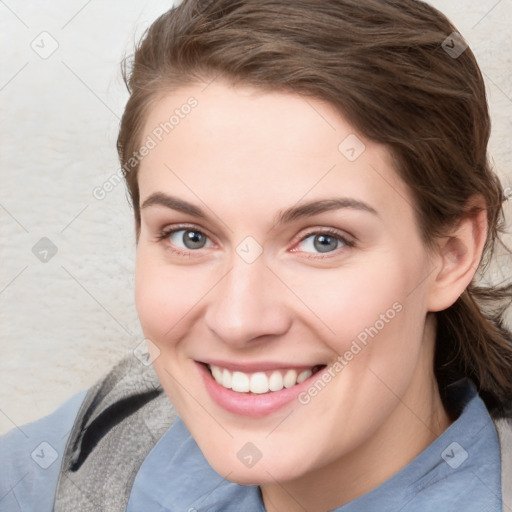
{"x": 462, "y": 464}
{"x": 175, "y": 476}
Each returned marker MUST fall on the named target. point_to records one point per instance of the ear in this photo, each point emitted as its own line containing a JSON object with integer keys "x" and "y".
{"x": 458, "y": 256}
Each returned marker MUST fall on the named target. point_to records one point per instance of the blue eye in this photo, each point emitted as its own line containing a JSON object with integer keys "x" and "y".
{"x": 188, "y": 239}
{"x": 322, "y": 242}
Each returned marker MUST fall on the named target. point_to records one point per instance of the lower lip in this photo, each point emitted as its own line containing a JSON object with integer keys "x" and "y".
{"x": 252, "y": 404}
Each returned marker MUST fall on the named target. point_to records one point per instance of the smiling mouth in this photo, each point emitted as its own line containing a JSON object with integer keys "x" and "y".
{"x": 261, "y": 382}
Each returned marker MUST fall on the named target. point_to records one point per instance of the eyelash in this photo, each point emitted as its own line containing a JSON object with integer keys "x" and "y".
{"x": 166, "y": 233}
{"x": 350, "y": 243}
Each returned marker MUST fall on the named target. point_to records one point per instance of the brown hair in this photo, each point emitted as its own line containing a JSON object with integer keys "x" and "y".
{"x": 382, "y": 64}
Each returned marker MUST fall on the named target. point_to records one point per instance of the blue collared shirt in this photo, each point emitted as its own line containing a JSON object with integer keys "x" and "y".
{"x": 460, "y": 470}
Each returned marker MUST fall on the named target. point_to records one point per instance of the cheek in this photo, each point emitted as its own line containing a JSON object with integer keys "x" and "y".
{"x": 380, "y": 333}
{"x": 372, "y": 313}
{"x": 165, "y": 294}
{"x": 351, "y": 298}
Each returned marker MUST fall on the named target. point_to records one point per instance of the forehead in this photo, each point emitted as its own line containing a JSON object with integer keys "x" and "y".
{"x": 241, "y": 145}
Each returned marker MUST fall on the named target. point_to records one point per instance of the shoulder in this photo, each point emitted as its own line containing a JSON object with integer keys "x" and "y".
{"x": 31, "y": 457}
{"x": 113, "y": 403}
{"x": 123, "y": 414}
{"x": 120, "y": 421}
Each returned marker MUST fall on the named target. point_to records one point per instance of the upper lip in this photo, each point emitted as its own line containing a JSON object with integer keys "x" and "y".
{"x": 259, "y": 366}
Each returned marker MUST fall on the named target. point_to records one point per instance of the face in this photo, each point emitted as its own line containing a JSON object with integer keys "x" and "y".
{"x": 282, "y": 279}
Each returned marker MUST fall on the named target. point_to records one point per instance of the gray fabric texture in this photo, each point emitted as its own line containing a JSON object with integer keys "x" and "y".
{"x": 504, "y": 428}
{"x": 103, "y": 481}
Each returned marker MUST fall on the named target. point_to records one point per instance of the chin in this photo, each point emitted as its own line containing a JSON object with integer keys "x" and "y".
{"x": 257, "y": 476}
{"x": 247, "y": 477}
{"x": 263, "y": 471}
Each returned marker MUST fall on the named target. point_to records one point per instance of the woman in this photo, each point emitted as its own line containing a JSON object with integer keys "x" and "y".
{"x": 312, "y": 201}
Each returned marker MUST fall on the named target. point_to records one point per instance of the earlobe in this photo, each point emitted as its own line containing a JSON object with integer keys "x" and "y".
{"x": 458, "y": 258}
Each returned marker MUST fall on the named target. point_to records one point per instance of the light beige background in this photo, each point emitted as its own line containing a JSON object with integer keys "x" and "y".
{"x": 65, "y": 322}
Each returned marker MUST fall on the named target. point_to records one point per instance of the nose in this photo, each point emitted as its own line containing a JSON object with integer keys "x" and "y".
{"x": 248, "y": 305}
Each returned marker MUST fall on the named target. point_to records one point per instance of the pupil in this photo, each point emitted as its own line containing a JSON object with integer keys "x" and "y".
{"x": 193, "y": 240}
{"x": 325, "y": 243}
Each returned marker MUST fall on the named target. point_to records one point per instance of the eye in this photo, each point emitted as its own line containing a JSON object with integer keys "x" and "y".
{"x": 188, "y": 239}
{"x": 323, "y": 242}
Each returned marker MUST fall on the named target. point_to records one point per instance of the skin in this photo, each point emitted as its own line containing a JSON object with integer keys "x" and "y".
{"x": 242, "y": 156}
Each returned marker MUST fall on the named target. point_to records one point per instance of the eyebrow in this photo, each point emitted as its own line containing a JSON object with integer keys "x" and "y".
{"x": 308, "y": 209}
{"x": 319, "y": 206}
{"x": 160, "y": 199}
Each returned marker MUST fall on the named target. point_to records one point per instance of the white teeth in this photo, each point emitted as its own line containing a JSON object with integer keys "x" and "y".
{"x": 290, "y": 379}
{"x": 226, "y": 378}
{"x": 240, "y": 382}
{"x": 217, "y": 373}
{"x": 275, "y": 383}
{"x": 259, "y": 382}
{"x": 304, "y": 375}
